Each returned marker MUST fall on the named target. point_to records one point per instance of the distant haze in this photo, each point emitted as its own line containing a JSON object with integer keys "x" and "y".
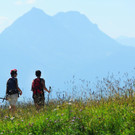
{"x": 61, "y": 46}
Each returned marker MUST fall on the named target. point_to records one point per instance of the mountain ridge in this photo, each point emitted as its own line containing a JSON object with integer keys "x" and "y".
{"x": 127, "y": 41}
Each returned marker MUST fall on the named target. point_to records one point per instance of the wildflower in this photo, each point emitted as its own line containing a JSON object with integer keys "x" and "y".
{"x": 31, "y": 124}
{"x": 73, "y": 120}
{"x": 12, "y": 118}
{"x": 6, "y": 117}
{"x": 22, "y": 120}
{"x": 46, "y": 118}
{"x": 55, "y": 110}
{"x": 73, "y": 117}
{"x": 55, "y": 121}
{"x": 83, "y": 127}
{"x": 70, "y": 100}
{"x": 80, "y": 110}
{"x": 62, "y": 114}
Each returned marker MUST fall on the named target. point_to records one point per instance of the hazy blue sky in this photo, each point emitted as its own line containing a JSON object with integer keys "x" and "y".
{"x": 114, "y": 17}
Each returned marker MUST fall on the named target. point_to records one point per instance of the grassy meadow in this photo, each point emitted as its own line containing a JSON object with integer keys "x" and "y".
{"x": 111, "y": 111}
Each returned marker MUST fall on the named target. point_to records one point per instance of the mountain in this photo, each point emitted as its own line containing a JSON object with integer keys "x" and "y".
{"x": 62, "y": 45}
{"x": 128, "y": 41}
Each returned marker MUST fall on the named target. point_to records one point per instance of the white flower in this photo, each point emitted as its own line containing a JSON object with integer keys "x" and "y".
{"x": 55, "y": 109}
{"x": 12, "y": 118}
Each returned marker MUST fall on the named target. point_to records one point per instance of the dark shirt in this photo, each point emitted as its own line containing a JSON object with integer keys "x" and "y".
{"x": 12, "y": 86}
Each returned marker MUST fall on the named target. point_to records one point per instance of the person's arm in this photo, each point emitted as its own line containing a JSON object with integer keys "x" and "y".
{"x": 44, "y": 87}
{"x": 18, "y": 87}
{"x": 32, "y": 85}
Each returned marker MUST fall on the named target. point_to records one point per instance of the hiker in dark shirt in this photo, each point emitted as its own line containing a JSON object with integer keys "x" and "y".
{"x": 38, "y": 87}
{"x": 12, "y": 90}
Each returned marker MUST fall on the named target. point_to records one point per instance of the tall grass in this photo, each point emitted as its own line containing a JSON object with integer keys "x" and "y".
{"x": 108, "y": 111}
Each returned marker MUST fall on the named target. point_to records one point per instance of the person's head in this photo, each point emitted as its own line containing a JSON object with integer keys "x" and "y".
{"x": 38, "y": 73}
{"x": 13, "y": 72}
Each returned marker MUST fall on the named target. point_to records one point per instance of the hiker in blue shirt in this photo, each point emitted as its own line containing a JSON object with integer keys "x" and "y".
{"x": 12, "y": 90}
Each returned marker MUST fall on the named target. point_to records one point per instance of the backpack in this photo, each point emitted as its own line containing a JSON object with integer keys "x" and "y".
{"x": 37, "y": 86}
{"x": 12, "y": 86}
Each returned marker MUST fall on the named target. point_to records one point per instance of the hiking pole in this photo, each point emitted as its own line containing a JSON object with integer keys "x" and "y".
{"x": 49, "y": 95}
{"x": 2, "y": 99}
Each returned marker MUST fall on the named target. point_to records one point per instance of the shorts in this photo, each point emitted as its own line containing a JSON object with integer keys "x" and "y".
{"x": 12, "y": 99}
{"x": 39, "y": 99}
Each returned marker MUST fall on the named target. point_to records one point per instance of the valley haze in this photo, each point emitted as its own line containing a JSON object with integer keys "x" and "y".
{"x": 61, "y": 46}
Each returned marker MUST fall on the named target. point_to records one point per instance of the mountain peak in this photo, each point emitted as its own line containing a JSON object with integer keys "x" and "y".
{"x": 78, "y": 19}
{"x": 70, "y": 14}
{"x": 35, "y": 10}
